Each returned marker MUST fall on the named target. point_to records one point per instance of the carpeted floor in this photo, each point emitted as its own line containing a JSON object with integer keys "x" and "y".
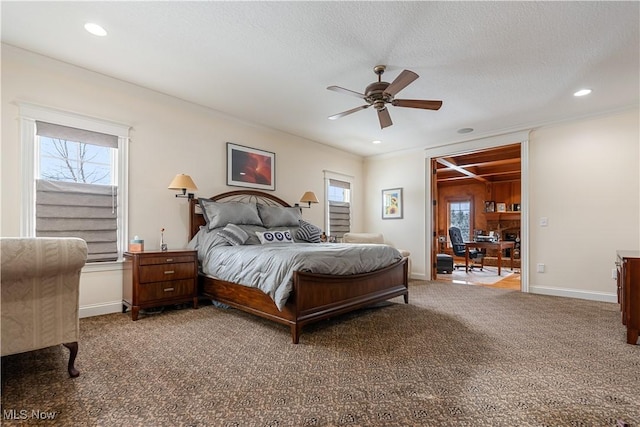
{"x": 454, "y": 356}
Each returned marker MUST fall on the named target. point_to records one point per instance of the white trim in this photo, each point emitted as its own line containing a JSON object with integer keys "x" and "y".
{"x": 100, "y": 309}
{"x": 477, "y": 144}
{"x": 572, "y": 293}
{"x": 28, "y": 206}
{"x": 337, "y": 175}
{"x": 66, "y": 118}
{"x": 521, "y": 137}
{"x": 123, "y": 194}
{"x": 103, "y": 266}
{"x": 525, "y": 251}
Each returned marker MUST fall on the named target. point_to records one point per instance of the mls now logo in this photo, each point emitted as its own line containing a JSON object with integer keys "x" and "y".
{"x": 23, "y": 414}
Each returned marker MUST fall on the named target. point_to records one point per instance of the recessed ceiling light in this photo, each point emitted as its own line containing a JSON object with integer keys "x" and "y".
{"x": 95, "y": 29}
{"x": 376, "y": 142}
{"x": 465, "y": 130}
{"x": 582, "y": 92}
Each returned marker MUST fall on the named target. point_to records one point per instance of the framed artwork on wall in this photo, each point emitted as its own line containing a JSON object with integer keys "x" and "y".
{"x": 490, "y": 206}
{"x": 392, "y": 203}
{"x": 250, "y": 167}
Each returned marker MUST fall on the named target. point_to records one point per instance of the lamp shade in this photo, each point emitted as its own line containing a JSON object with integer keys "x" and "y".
{"x": 309, "y": 197}
{"x": 182, "y": 182}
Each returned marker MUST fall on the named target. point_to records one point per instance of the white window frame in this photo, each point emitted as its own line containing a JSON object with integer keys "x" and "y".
{"x": 29, "y": 114}
{"x": 329, "y": 175}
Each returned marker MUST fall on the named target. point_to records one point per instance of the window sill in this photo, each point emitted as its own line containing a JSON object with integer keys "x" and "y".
{"x": 102, "y": 266}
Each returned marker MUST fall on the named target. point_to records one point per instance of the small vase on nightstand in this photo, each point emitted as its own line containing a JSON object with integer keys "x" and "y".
{"x": 163, "y": 245}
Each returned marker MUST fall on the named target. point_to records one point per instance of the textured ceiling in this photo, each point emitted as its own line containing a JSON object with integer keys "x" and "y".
{"x": 497, "y": 66}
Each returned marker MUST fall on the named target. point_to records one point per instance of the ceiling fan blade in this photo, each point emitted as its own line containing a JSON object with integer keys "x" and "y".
{"x": 347, "y": 91}
{"x": 346, "y": 113}
{"x": 417, "y": 103}
{"x": 385, "y": 118}
{"x": 402, "y": 81}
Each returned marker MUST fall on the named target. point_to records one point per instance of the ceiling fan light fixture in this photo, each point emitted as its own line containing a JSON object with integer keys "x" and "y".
{"x": 379, "y": 94}
{"x": 582, "y": 92}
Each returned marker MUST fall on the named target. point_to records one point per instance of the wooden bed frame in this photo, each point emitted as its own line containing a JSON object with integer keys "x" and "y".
{"x": 315, "y": 296}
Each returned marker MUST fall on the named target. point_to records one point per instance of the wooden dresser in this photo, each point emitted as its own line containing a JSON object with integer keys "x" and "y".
{"x": 628, "y": 266}
{"x": 158, "y": 278}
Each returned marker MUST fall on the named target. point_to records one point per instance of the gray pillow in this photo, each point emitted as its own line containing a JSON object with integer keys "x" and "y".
{"x": 234, "y": 234}
{"x": 251, "y": 231}
{"x": 279, "y": 216}
{"x": 308, "y": 232}
{"x": 220, "y": 214}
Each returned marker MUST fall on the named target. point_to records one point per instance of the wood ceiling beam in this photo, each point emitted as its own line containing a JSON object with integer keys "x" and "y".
{"x": 448, "y": 162}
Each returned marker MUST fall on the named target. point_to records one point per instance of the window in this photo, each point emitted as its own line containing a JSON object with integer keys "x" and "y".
{"x": 338, "y": 190}
{"x": 75, "y": 180}
{"x": 460, "y": 216}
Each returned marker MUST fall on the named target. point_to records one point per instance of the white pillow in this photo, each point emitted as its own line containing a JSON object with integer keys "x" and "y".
{"x": 278, "y": 236}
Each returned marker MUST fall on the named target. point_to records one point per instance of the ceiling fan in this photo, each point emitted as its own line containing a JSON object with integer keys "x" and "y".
{"x": 379, "y": 94}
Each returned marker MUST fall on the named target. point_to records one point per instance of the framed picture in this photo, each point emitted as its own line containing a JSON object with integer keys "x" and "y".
{"x": 490, "y": 206}
{"x": 392, "y": 203}
{"x": 501, "y": 207}
{"x": 250, "y": 167}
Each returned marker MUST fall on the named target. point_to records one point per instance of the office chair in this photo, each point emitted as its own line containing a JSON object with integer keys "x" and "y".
{"x": 457, "y": 242}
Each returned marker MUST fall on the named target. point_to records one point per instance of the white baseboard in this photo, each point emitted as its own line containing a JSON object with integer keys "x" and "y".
{"x": 100, "y": 309}
{"x": 572, "y": 293}
{"x": 417, "y": 276}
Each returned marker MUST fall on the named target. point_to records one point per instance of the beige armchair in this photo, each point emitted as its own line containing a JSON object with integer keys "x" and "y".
{"x": 40, "y": 281}
{"x": 369, "y": 238}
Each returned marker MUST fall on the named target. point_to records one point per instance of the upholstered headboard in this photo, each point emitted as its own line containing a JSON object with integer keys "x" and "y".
{"x": 196, "y": 218}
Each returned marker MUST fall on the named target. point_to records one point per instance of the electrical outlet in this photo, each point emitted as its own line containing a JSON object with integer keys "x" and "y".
{"x": 540, "y": 268}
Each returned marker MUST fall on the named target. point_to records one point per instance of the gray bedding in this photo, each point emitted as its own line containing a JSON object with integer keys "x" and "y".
{"x": 270, "y": 267}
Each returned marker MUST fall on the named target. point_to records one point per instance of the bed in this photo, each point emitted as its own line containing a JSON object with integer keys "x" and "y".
{"x": 313, "y": 296}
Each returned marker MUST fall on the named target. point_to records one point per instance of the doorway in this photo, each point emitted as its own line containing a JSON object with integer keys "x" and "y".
{"x": 480, "y": 192}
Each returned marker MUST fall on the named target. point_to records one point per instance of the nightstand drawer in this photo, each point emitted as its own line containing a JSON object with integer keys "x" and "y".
{"x": 150, "y": 260}
{"x": 166, "y": 272}
{"x": 162, "y": 290}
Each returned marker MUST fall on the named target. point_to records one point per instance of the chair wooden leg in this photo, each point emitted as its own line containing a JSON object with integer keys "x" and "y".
{"x": 73, "y": 352}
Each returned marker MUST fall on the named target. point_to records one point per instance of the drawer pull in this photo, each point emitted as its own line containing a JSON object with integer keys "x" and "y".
{"x": 169, "y": 259}
{"x": 169, "y": 289}
{"x": 169, "y": 272}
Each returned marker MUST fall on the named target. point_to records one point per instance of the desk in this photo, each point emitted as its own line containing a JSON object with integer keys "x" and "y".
{"x": 500, "y": 246}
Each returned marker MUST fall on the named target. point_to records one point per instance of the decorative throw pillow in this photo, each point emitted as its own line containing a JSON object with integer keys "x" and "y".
{"x": 280, "y": 236}
{"x": 219, "y": 214}
{"x": 234, "y": 235}
{"x": 308, "y": 232}
{"x": 278, "y": 216}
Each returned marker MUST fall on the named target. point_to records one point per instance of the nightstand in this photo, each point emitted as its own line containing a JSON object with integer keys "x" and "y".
{"x": 158, "y": 278}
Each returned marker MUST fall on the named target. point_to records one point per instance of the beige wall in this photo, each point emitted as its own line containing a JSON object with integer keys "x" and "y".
{"x": 168, "y": 136}
{"x": 593, "y": 161}
{"x": 585, "y": 178}
{"x": 400, "y": 171}
{"x": 583, "y": 175}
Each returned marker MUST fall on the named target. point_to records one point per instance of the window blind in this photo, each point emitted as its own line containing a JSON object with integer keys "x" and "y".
{"x": 339, "y": 184}
{"x": 87, "y": 211}
{"x": 339, "y": 218}
{"x": 77, "y": 135}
